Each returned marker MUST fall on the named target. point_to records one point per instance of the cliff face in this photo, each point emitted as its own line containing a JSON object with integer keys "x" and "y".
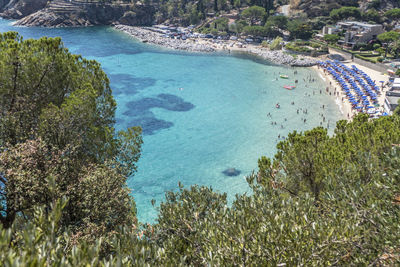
{"x": 59, "y": 13}
{"x": 64, "y": 13}
{"x": 16, "y": 9}
{"x": 313, "y": 8}
{"x": 3, "y": 3}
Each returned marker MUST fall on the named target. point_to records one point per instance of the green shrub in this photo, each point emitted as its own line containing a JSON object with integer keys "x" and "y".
{"x": 324, "y": 49}
{"x": 380, "y": 50}
{"x": 372, "y": 60}
{"x": 214, "y": 32}
{"x": 296, "y": 48}
{"x": 264, "y": 44}
{"x": 315, "y": 45}
{"x": 301, "y": 42}
{"x": 276, "y": 44}
{"x": 376, "y": 46}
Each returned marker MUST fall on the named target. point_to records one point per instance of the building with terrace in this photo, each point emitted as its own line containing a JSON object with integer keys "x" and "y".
{"x": 354, "y": 31}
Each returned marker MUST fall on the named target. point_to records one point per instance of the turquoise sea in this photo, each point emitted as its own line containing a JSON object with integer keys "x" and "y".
{"x": 201, "y": 113}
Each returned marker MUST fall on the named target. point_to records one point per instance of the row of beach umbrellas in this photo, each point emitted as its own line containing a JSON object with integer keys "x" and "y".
{"x": 360, "y": 89}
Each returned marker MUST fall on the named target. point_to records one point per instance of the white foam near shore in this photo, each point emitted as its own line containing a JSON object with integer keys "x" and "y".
{"x": 339, "y": 104}
{"x": 322, "y": 77}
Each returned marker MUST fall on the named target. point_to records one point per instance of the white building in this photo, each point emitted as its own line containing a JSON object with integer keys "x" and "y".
{"x": 354, "y": 31}
{"x": 360, "y": 32}
{"x": 392, "y": 97}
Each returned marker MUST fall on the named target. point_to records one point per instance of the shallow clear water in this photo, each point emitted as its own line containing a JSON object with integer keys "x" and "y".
{"x": 201, "y": 113}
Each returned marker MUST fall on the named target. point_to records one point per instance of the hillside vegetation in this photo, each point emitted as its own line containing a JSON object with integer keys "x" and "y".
{"x": 179, "y": 12}
{"x": 321, "y": 200}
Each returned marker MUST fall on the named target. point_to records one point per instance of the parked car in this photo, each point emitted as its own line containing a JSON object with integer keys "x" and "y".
{"x": 208, "y": 36}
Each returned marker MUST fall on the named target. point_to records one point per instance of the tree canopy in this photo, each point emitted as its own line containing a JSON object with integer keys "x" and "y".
{"x": 345, "y": 12}
{"x": 388, "y": 38}
{"x": 321, "y": 200}
{"x": 56, "y": 132}
{"x": 299, "y": 29}
{"x": 331, "y": 38}
{"x": 253, "y": 14}
{"x": 279, "y": 22}
{"x": 393, "y": 13}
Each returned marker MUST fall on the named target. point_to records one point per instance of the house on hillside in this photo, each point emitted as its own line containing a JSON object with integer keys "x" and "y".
{"x": 330, "y": 30}
{"x": 359, "y": 32}
{"x": 354, "y": 31}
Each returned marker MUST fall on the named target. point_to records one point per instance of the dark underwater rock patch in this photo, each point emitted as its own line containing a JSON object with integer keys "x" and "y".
{"x": 150, "y": 124}
{"x": 231, "y": 172}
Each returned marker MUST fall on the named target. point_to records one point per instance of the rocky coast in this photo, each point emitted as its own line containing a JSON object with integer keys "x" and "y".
{"x": 149, "y": 35}
{"x": 146, "y": 35}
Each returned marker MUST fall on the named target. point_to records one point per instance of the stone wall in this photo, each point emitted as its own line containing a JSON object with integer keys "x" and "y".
{"x": 348, "y": 56}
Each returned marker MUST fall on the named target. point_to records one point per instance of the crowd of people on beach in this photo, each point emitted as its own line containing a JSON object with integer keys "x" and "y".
{"x": 357, "y": 87}
{"x": 303, "y": 110}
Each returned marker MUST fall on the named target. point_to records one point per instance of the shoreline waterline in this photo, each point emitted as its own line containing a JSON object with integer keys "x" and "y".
{"x": 202, "y": 114}
{"x": 341, "y": 99}
{"x": 146, "y": 35}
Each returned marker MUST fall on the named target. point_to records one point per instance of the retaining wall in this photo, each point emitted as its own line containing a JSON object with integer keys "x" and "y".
{"x": 348, "y": 56}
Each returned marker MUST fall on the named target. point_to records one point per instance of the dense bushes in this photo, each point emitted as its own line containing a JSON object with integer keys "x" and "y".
{"x": 297, "y": 48}
{"x": 57, "y": 139}
{"x": 306, "y": 47}
{"x": 345, "y": 12}
{"x": 366, "y": 58}
{"x": 321, "y": 200}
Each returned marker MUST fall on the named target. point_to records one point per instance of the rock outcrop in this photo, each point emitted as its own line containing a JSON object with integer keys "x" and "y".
{"x": 16, "y": 9}
{"x": 148, "y": 36}
{"x": 66, "y": 13}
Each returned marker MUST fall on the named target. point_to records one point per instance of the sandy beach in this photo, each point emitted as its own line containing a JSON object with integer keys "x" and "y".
{"x": 345, "y": 105}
